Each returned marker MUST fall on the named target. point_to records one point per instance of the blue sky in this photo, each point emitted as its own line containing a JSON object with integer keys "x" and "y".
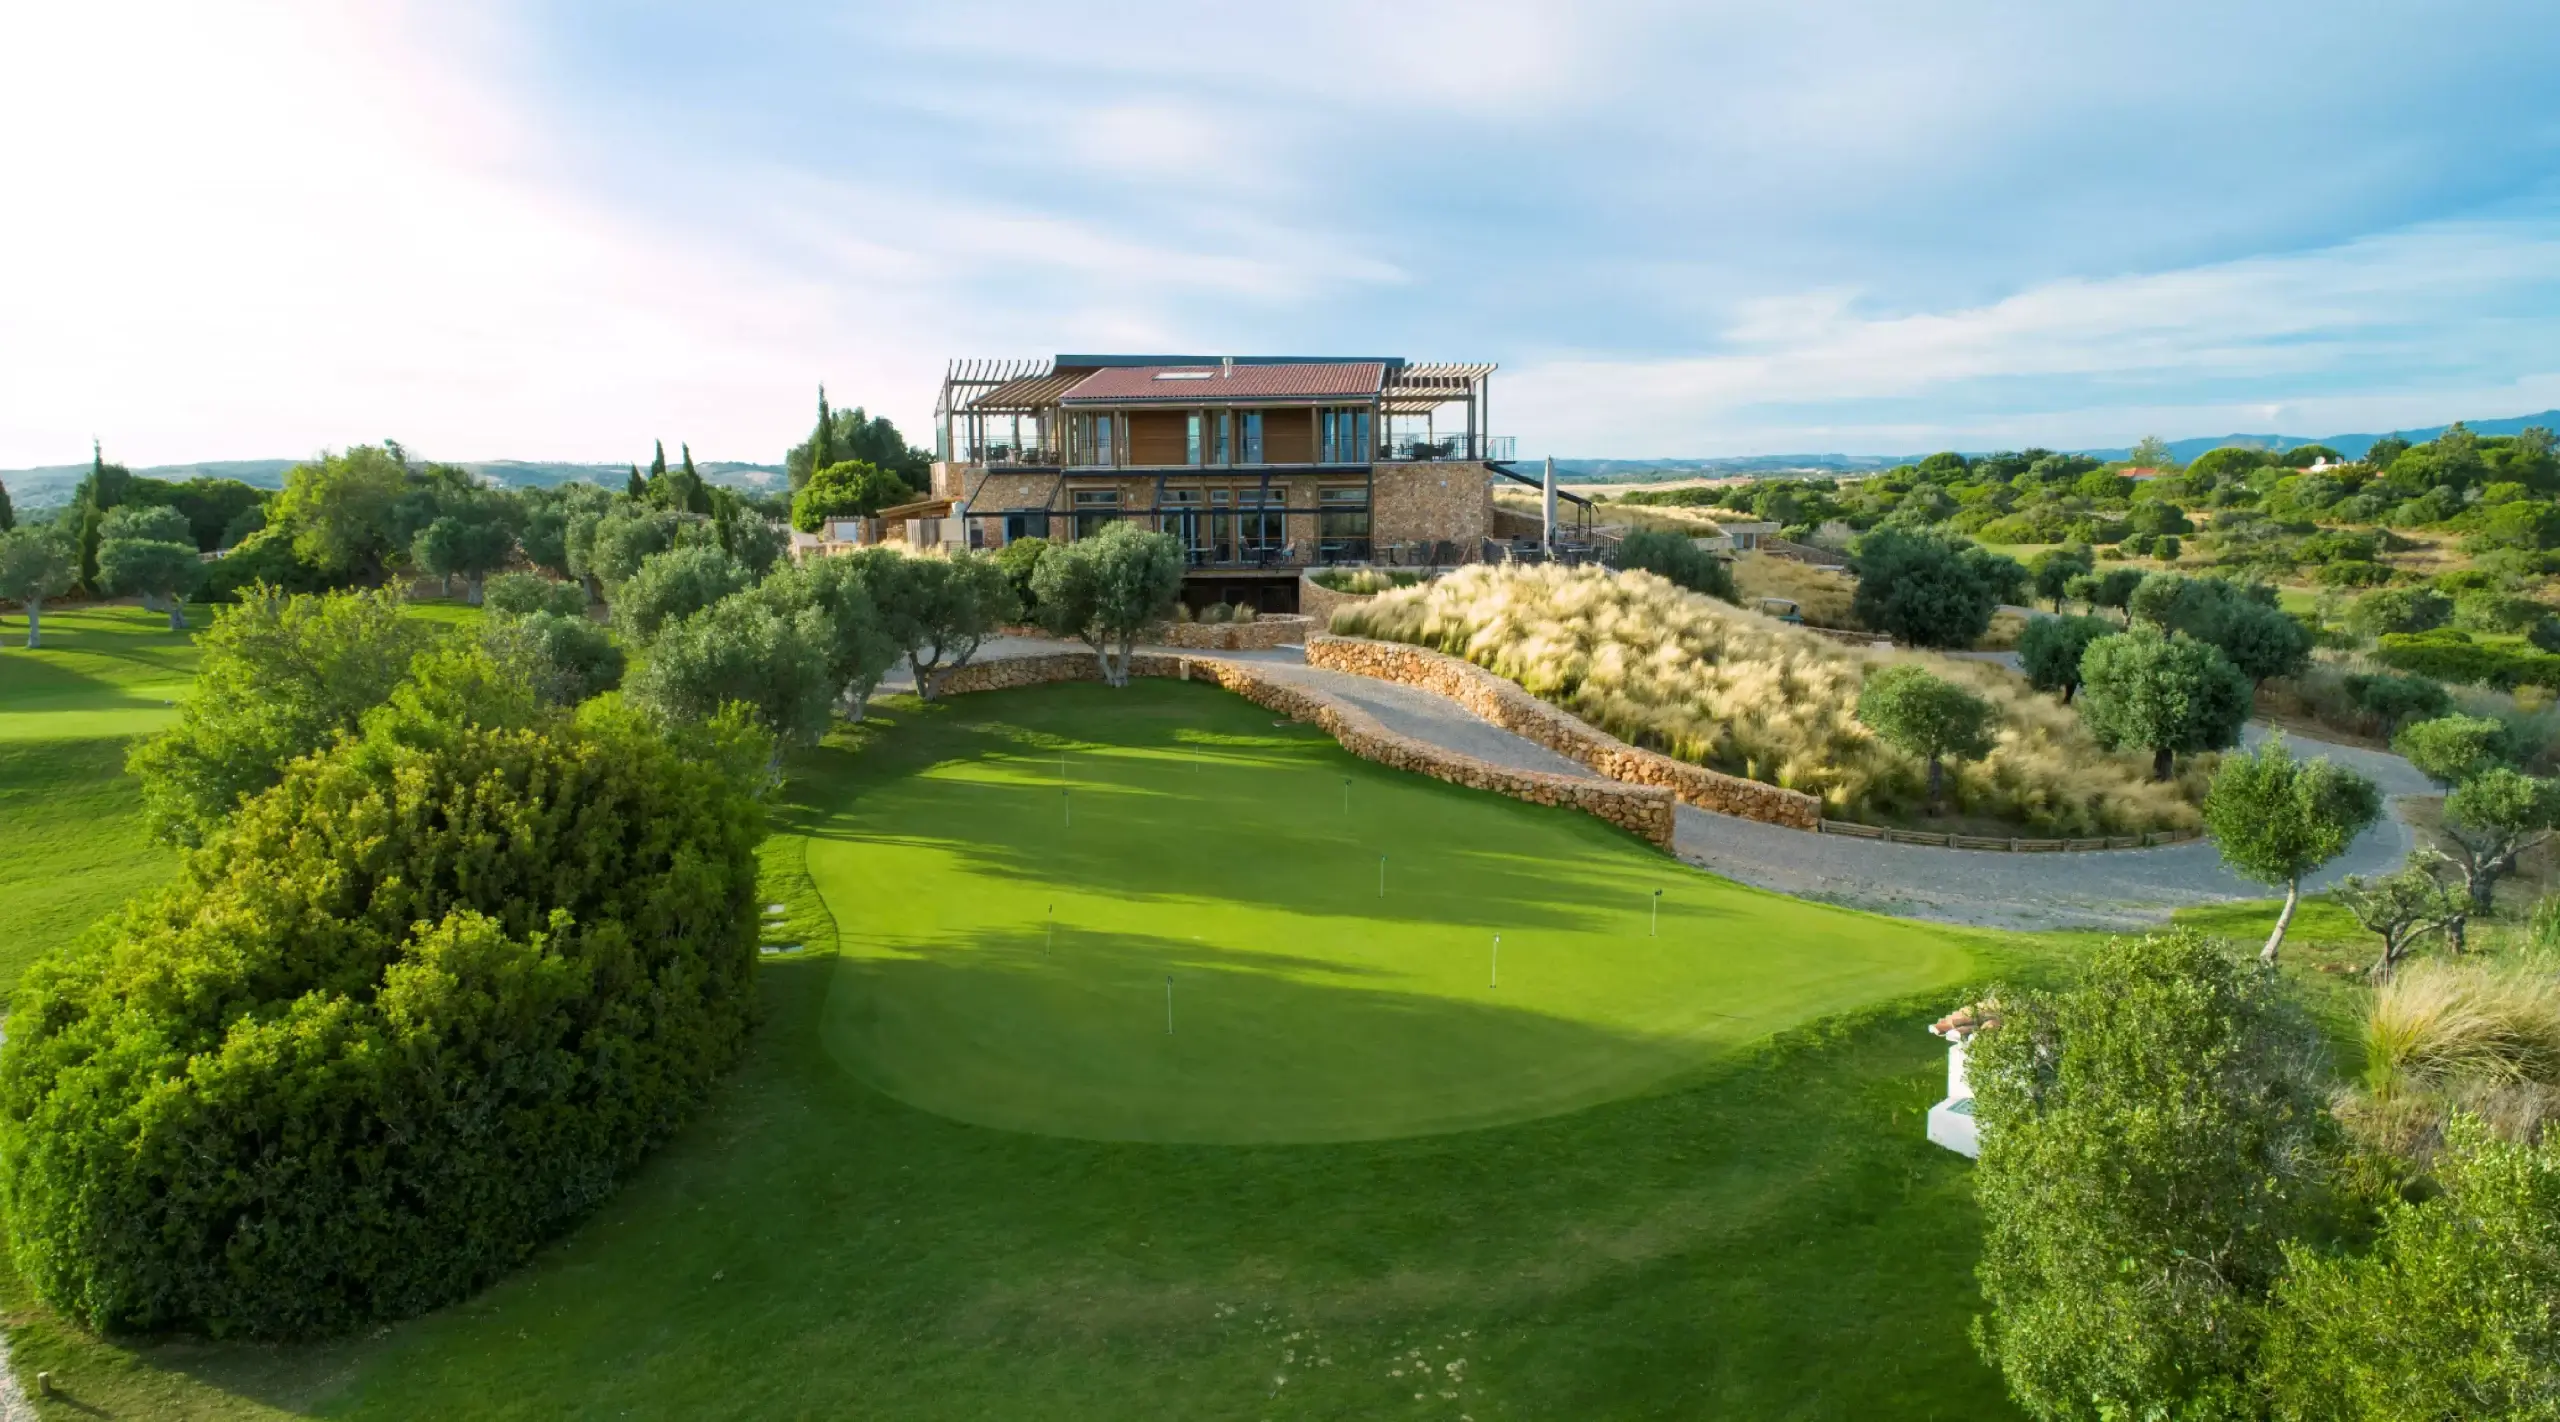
{"x": 561, "y": 230}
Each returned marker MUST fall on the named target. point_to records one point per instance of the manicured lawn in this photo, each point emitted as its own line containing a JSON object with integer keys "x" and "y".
{"x": 102, "y": 671}
{"x": 71, "y": 840}
{"x": 1211, "y": 1224}
{"x": 1194, "y": 848}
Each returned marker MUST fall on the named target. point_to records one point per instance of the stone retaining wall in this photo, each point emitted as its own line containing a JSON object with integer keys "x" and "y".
{"x": 1642, "y": 809}
{"x": 1271, "y": 629}
{"x": 1319, "y": 602}
{"x": 1503, "y": 703}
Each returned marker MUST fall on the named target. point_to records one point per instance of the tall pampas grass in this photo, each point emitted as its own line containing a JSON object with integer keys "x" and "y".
{"x": 1709, "y": 682}
{"x": 2437, "y": 1022}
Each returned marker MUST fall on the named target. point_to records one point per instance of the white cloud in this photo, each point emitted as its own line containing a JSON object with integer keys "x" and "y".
{"x": 2080, "y": 361}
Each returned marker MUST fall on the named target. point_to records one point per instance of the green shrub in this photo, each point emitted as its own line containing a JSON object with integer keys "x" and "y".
{"x": 2399, "y": 610}
{"x": 1678, "y": 559}
{"x": 522, "y": 594}
{"x": 2351, "y": 573}
{"x": 416, "y": 1011}
{"x": 2449, "y": 655}
{"x": 1361, "y": 582}
{"x": 2397, "y": 700}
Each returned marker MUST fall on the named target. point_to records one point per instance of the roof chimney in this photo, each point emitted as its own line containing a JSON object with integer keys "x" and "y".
{"x": 1226, "y": 367}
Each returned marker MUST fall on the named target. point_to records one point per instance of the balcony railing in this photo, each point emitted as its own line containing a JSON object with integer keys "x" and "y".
{"x": 1447, "y": 446}
{"x": 996, "y": 454}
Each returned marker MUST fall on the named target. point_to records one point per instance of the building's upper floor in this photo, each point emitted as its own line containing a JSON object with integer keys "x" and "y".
{"x": 1104, "y": 412}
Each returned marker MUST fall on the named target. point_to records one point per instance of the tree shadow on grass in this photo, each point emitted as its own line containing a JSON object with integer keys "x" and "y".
{"x": 1160, "y": 816}
{"x": 1771, "y": 1237}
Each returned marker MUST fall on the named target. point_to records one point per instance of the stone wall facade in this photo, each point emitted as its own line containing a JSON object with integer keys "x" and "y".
{"x": 1503, "y": 703}
{"x": 1433, "y": 502}
{"x": 1643, "y": 810}
{"x": 1318, "y": 603}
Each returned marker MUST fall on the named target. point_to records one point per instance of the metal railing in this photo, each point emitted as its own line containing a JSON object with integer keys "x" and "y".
{"x": 1420, "y": 448}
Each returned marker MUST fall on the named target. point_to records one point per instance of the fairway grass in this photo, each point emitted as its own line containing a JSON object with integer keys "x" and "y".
{"x": 1754, "y": 1228}
{"x": 1025, "y": 879}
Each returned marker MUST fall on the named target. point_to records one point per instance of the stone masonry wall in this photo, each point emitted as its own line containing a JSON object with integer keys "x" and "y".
{"x": 1431, "y": 502}
{"x": 1318, "y": 603}
{"x": 1505, "y": 704}
{"x": 1644, "y": 810}
{"x": 1271, "y": 629}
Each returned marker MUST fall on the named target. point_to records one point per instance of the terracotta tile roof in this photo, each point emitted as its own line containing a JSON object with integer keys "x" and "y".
{"x": 1196, "y": 384}
{"x": 1962, "y": 1023}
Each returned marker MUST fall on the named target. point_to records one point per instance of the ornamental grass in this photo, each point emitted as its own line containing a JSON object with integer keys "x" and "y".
{"x": 1711, "y": 683}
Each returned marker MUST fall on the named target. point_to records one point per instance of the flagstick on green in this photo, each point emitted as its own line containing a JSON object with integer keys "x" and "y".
{"x": 1656, "y": 930}
{"x": 1168, "y": 1004}
{"x": 1382, "y": 876}
{"x": 1346, "y": 794}
{"x": 1053, "y": 930}
{"x": 1496, "y": 979}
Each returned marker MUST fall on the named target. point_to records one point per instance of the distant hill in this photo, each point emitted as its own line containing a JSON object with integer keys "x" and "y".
{"x": 1645, "y": 471}
{"x": 51, "y": 485}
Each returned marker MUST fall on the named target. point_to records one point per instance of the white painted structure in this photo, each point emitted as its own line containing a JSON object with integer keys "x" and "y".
{"x": 1951, "y": 1122}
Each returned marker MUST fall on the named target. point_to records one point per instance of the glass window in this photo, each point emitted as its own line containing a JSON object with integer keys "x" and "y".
{"x": 1222, "y": 527}
{"x": 1095, "y": 508}
{"x": 1191, "y": 438}
{"x": 1226, "y": 431}
{"x": 1342, "y": 524}
{"x": 1025, "y": 525}
{"x": 1253, "y": 436}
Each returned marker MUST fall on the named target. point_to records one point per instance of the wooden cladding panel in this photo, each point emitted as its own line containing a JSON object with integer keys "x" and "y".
{"x": 1157, "y": 437}
{"x": 1289, "y": 436}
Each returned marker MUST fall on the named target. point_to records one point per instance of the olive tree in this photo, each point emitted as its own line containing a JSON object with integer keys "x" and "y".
{"x": 676, "y": 583}
{"x": 2050, "y": 650}
{"x": 149, "y": 551}
{"x": 1929, "y": 718}
{"x": 519, "y": 594}
{"x": 2493, "y": 818}
{"x": 282, "y": 676}
{"x": 939, "y": 610}
{"x": 2055, "y": 569}
{"x": 2451, "y": 749}
{"x": 2402, "y": 907}
{"x": 563, "y": 659}
{"x": 2277, "y": 819}
{"x": 35, "y": 565}
{"x": 742, "y": 650}
{"x": 469, "y": 549}
{"x": 2149, "y": 1141}
{"x": 859, "y": 649}
{"x": 1929, "y": 590}
{"x": 2168, "y": 694}
{"x": 1102, "y": 590}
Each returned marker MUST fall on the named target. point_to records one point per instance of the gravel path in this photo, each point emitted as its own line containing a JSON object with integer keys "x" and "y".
{"x": 2106, "y": 889}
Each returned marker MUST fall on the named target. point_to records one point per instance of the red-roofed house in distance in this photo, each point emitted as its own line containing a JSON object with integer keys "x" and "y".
{"x": 1263, "y": 466}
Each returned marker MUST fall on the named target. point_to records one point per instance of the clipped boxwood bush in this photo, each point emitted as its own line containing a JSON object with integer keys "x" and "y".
{"x": 416, "y": 1010}
{"x": 2449, "y": 655}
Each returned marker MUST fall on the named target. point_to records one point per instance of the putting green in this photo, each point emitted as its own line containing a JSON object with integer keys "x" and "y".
{"x": 1013, "y": 933}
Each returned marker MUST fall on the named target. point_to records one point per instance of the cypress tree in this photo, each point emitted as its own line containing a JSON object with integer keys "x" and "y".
{"x": 8, "y": 515}
{"x": 658, "y": 463}
{"x": 636, "y": 488}
{"x": 822, "y": 441}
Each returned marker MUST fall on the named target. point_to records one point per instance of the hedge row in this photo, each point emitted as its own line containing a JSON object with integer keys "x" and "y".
{"x": 415, "y": 1011}
{"x": 2450, "y": 655}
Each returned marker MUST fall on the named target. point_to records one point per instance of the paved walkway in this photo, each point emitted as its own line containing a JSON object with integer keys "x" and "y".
{"x": 2102, "y": 889}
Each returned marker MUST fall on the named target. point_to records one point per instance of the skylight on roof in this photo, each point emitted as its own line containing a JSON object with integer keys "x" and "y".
{"x": 1185, "y": 374}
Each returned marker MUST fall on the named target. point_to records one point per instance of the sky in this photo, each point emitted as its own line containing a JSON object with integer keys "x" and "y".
{"x": 563, "y": 230}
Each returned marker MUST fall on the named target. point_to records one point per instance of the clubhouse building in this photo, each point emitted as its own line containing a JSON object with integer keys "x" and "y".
{"x": 1262, "y": 466}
